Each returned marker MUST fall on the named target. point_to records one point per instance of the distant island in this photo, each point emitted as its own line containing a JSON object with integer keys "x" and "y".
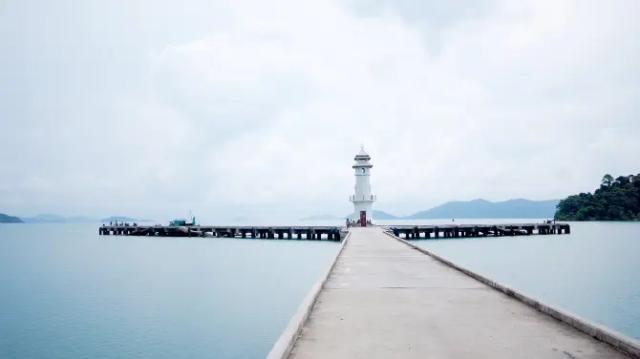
{"x": 383, "y": 215}
{"x": 5, "y": 218}
{"x": 616, "y": 200}
{"x": 477, "y": 208}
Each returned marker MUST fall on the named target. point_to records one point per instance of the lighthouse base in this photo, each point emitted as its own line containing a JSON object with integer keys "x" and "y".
{"x": 358, "y": 208}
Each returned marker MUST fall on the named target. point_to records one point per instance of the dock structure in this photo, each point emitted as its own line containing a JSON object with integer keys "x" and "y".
{"x": 256, "y": 232}
{"x": 478, "y": 230}
{"x": 383, "y": 298}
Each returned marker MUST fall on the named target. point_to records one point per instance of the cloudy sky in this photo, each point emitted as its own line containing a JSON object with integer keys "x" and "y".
{"x": 256, "y": 108}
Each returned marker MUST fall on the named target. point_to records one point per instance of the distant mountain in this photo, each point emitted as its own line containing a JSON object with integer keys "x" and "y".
{"x": 383, "y": 215}
{"x": 480, "y": 208}
{"x": 5, "y": 218}
{"x": 56, "y": 218}
{"x": 477, "y": 208}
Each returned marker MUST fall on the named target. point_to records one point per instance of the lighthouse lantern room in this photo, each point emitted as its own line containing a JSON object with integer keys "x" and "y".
{"x": 362, "y": 199}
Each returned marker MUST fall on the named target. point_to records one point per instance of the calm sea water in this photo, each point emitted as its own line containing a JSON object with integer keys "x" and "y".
{"x": 594, "y": 272}
{"x": 66, "y": 292}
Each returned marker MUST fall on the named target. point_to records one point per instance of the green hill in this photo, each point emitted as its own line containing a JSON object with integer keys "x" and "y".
{"x": 616, "y": 200}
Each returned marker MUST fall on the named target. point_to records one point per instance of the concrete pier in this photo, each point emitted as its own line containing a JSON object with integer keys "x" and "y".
{"x": 478, "y": 230}
{"x": 384, "y": 299}
{"x": 256, "y": 232}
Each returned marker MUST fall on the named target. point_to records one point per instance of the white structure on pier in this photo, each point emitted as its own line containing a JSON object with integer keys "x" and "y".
{"x": 362, "y": 199}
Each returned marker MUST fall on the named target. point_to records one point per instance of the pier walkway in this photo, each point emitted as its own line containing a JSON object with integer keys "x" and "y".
{"x": 384, "y": 299}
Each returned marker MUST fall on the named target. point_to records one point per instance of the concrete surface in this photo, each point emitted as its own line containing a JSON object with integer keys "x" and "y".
{"x": 283, "y": 346}
{"x": 384, "y": 299}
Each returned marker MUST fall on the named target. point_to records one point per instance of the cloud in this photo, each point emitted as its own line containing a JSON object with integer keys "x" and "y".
{"x": 260, "y": 111}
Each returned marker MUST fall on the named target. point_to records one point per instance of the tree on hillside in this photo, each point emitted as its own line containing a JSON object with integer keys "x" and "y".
{"x": 616, "y": 200}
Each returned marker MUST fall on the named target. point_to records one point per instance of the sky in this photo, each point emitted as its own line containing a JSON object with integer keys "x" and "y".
{"x": 255, "y": 109}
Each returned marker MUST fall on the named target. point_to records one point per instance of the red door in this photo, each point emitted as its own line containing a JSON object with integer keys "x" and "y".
{"x": 363, "y": 218}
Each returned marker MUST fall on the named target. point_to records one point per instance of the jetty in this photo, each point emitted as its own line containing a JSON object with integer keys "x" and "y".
{"x": 334, "y": 233}
{"x": 478, "y": 230}
{"x": 330, "y": 233}
{"x": 383, "y": 297}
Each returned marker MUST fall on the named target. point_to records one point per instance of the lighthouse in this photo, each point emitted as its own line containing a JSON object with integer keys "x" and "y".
{"x": 362, "y": 198}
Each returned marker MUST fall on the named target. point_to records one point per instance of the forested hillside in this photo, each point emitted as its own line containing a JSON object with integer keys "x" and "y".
{"x": 616, "y": 200}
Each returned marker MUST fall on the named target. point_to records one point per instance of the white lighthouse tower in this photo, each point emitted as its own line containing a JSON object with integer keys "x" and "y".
{"x": 362, "y": 199}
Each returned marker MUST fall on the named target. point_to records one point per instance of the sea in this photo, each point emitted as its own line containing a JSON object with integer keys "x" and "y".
{"x": 66, "y": 292}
